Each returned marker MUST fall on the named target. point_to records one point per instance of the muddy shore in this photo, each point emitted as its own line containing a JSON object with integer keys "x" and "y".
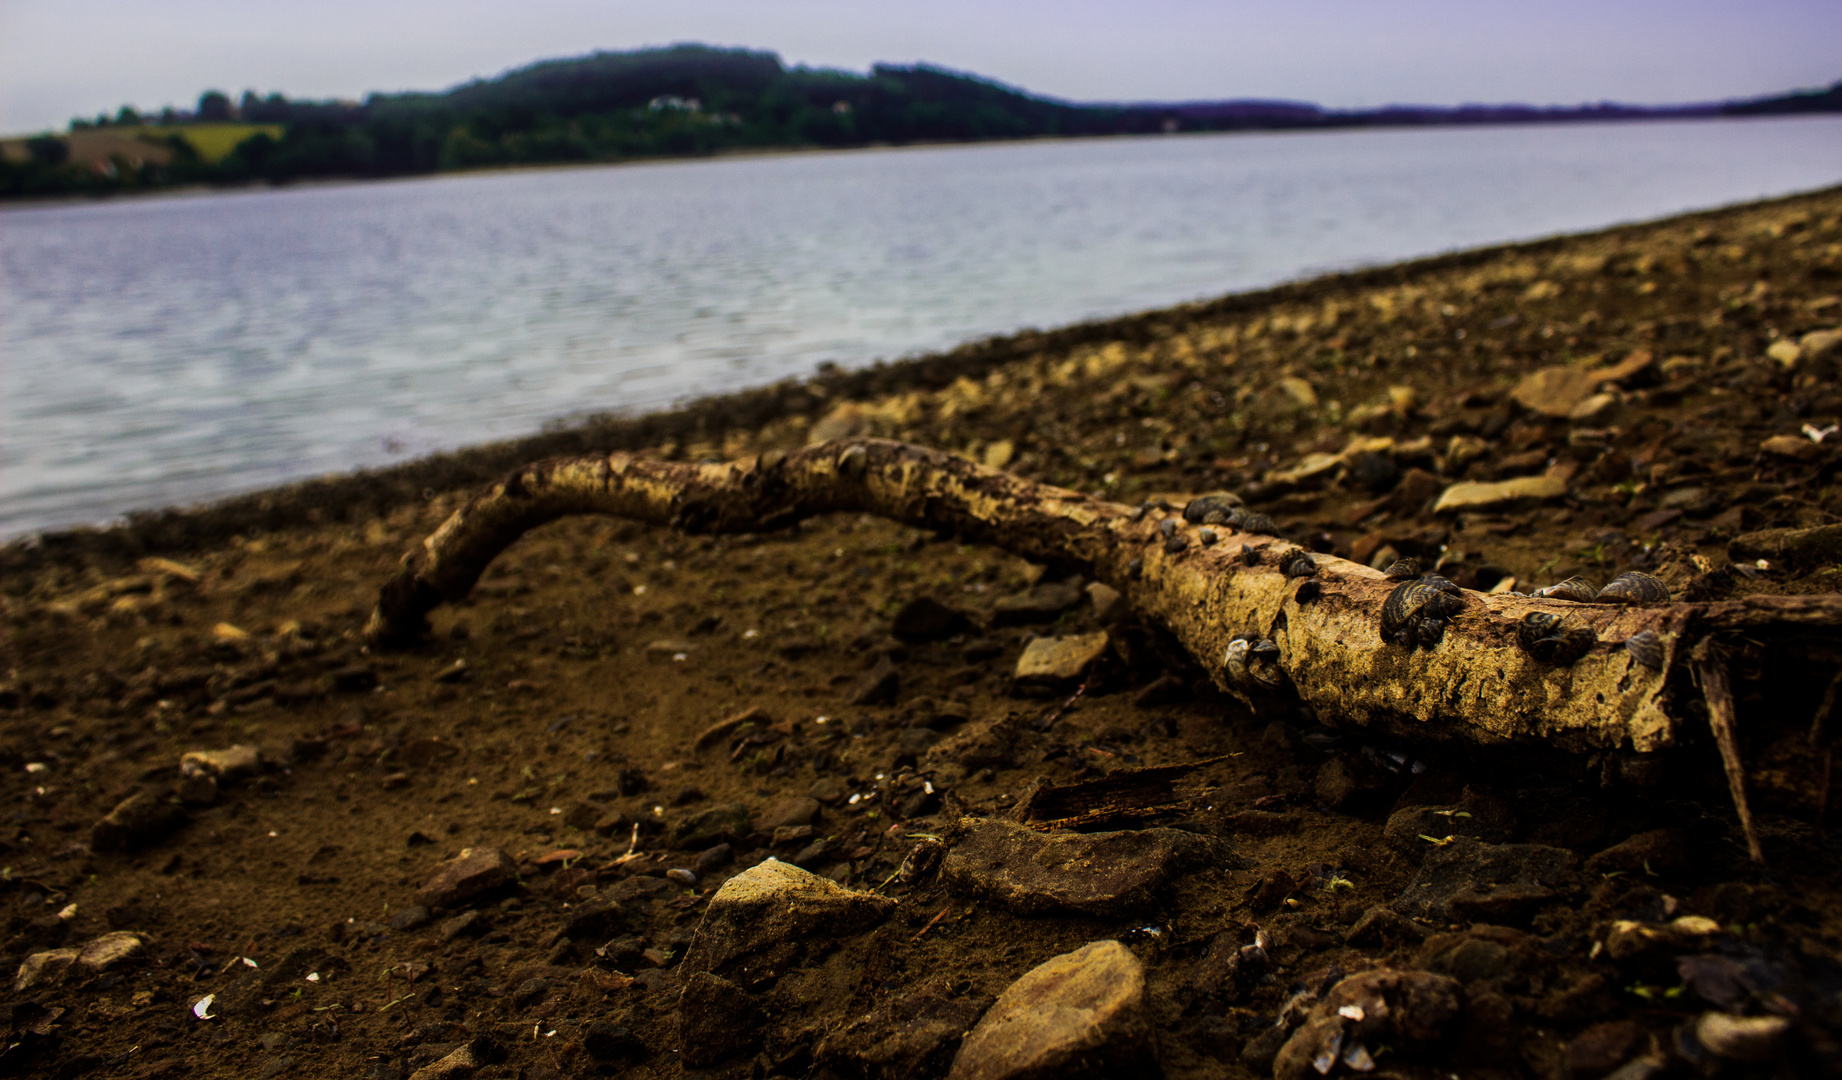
{"x": 500, "y": 853}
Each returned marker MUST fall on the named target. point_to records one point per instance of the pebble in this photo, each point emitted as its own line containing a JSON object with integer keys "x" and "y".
{"x": 712, "y": 859}
{"x": 407, "y": 918}
{"x": 43, "y": 968}
{"x": 1079, "y": 1015}
{"x": 1105, "y": 600}
{"x": 1479, "y": 817}
{"x": 1376, "y": 1008}
{"x": 1556, "y": 391}
{"x": 1466, "y": 880}
{"x": 136, "y": 821}
{"x": 1108, "y": 873}
{"x": 1794, "y": 447}
{"x": 1053, "y": 661}
{"x": 1603, "y": 1047}
{"x": 1488, "y": 495}
{"x": 472, "y": 872}
{"x": 110, "y": 950}
{"x": 927, "y": 619}
{"x": 828, "y": 790}
{"x": 880, "y": 686}
{"x": 1041, "y": 603}
{"x": 465, "y": 1061}
{"x": 1383, "y": 926}
{"x": 682, "y": 876}
{"x": 226, "y": 766}
{"x": 770, "y": 908}
{"x": 1741, "y": 1038}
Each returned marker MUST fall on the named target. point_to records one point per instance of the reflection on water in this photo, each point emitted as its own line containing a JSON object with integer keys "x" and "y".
{"x": 171, "y": 350}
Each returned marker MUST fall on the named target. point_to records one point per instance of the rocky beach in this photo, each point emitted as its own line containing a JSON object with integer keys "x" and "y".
{"x": 854, "y": 798}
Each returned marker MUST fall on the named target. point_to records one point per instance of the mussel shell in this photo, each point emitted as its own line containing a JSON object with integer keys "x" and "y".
{"x": 1263, "y": 664}
{"x": 1547, "y": 637}
{"x": 1176, "y": 545}
{"x": 1632, "y": 587}
{"x": 1208, "y": 537}
{"x": 1252, "y": 521}
{"x": 1647, "y": 649}
{"x": 1168, "y": 527}
{"x": 1297, "y": 563}
{"x": 1402, "y": 570}
{"x": 1211, "y": 509}
{"x": 1417, "y": 611}
{"x": 1577, "y": 589}
{"x": 1249, "y": 555}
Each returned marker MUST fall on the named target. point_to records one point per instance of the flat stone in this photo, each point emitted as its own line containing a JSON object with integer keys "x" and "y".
{"x": 466, "y": 1060}
{"x": 1814, "y": 544}
{"x": 724, "y": 821}
{"x": 1819, "y": 344}
{"x": 1556, "y": 391}
{"x": 1795, "y": 447}
{"x": 913, "y": 1034}
{"x": 1078, "y": 1015}
{"x": 1595, "y": 410}
{"x": 1466, "y": 880}
{"x": 110, "y": 950}
{"x": 1658, "y": 851}
{"x": 789, "y": 812}
{"x": 1603, "y": 1047}
{"x": 716, "y": 1019}
{"x": 1060, "y": 660}
{"x": 1040, "y": 603}
{"x": 1479, "y": 817}
{"x": 1741, "y": 1038}
{"x": 226, "y": 766}
{"x": 927, "y": 619}
{"x": 1383, "y": 926}
{"x": 138, "y": 820}
{"x": 407, "y": 918}
{"x": 1105, "y": 600}
{"x": 1485, "y": 495}
{"x": 43, "y": 969}
{"x": 1107, "y": 873}
{"x": 879, "y": 687}
{"x": 472, "y": 872}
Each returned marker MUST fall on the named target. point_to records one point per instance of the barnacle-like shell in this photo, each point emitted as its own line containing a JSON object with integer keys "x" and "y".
{"x": 1208, "y": 537}
{"x": 1577, "y": 589}
{"x": 1168, "y": 527}
{"x": 1550, "y": 639}
{"x": 1416, "y": 612}
{"x": 1253, "y": 663}
{"x": 1249, "y": 555}
{"x": 1298, "y": 563}
{"x": 1176, "y": 545}
{"x": 1402, "y": 570}
{"x": 1211, "y": 509}
{"x": 1251, "y": 521}
{"x": 1632, "y": 587}
{"x": 1647, "y": 649}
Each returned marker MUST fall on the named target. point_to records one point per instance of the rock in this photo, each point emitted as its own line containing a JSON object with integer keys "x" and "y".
{"x": 1556, "y": 391}
{"x": 828, "y": 790}
{"x": 1094, "y": 873}
{"x": 1596, "y": 410}
{"x": 472, "y": 872}
{"x": 1346, "y": 780}
{"x": 879, "y": 687}
{"x": 464, "y": 1061}
{"x": 1381, "y": 1007}
{"x": 724, "y": 821}
{"x": 407, "y": 918}
{"x": 225, "y": 766}
{"x": 1473, "y": 958}
{"x": 1041, "y": 603}
{"x": 722, "y": 729}
{"x": 138, "y": 820}
{"x": 1053, "y": 661}
{"x": 913, "y": 1034}
{"x": 1478, "y": 816}
{"x": 1785, "y": 351}
{"x": 1466, "y": 880}
{"x": 843, "y": 422}
{"x": 1601, "y": 1048}
{"x": 1806, "y": 546}
{"x": 927, "y": 619}
{"x": 606, "y": 1040}
{"x": 198, "y": 789}
{"x": 998, "y": 453}
{"x": 1794, "y": 447}
{"x": 1078, "y": 1015}
{"x": 1631, "y": 941}
{"x": 755, "y": 925}
{"x": 1105, "y": 599}
{"x": 1486, "y": 495}
{"x": 790, "y": 811}
{"x": 43, "y": 969}
{"x": 108, "y": 951}
{"x": 1383, "y": 926}
{"x": 466, "y": 924}
{"x": 1658, "y": 851}
{"x": 1741, "y": 1038}
{"x": 716, "y": 1019}
{"x": 1820, "y": 345}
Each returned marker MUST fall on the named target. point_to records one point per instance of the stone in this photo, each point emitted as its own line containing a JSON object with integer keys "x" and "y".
{"x": 1053, "y": 661}
{"x": 927, "y": 619}
{"x": 1820, "y": 345}
{"x": 1107, "y": 873}
{"x": 1488, "y": 495}
{"x": 879, "y": 687}
{"x": 790, "y": 811}
{"x": 198, "y": 789}
{"x": 998, "y": 453}
{"x": 43, "y": 969}
{"x": 606, "y": 1040}
{"x": 1347, "y": 780}
{"x": 1472, "y": 959}
{"x": 1785, "y": 351}
{"x": 1630, "y": 941}
{"x": 1794, "y": 447}
{"x": 1480, "y": 817}
{"x": 1741, "y": 1038}
{"x": 110, "y": 950}
{"x": 1105, "y": 599}
{"x": 915, "y": 1033}
{"x": 1556, "y": 391}
{"x": 1382, "y": 1007}
{"x": 1041, "y": 603}
{"x": 138, "y": 820}
{"x": 1658, "y": 851}
{"x": 757, "y": 923}
{"x": 407, "y": 918}
{"x": 1466, "y": 880}
{"x": 1804, "y": 546}
{"x": 1079, "y": 1015}
{"x": 1601, "y": 1048}
{"x": 828, "y": 790}
{"x": 466, "y": 924}
{"x": 1383, "y": 926}
{"x": 716, "y": 1020}
{"x": 724, "y": 821}
{"x": 1596, "y": 410}
{"x": 226, "y": 766}
{"x": 467, "y": 875}
{"x": 465, "y": 1060}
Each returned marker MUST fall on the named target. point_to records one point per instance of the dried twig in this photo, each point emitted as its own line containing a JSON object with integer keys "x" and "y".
{"x": 1712, "y": 675}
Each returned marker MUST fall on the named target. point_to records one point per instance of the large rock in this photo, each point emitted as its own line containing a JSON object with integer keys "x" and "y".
{"x": 1093, "y": 873}
{"x": 761, "y": 924}
{"x": 1054, "y": 661}
{"x": 1078, "y": 1015}
{"x": 1466, "y": 880}
{"x": 1489, "y": 495}
{"x": 467, "y": 875}
{"x": 138, "y": 820}
{"x": 913, "y": 1034}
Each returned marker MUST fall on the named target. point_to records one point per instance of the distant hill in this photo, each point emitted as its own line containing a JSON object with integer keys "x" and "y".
{"x": 682, "y": 100}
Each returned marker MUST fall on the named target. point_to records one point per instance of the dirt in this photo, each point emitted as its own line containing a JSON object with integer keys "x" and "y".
{"x": 556, "y": 716}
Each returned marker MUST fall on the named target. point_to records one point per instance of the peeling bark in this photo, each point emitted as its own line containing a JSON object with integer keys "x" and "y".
{"x": 1477, "y": 684}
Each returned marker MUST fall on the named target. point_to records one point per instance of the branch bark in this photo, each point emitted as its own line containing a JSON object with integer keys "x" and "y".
{"x": 1478, "y": 683}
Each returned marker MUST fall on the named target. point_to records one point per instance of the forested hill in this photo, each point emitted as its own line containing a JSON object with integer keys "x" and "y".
{"x": 677, "y": 101}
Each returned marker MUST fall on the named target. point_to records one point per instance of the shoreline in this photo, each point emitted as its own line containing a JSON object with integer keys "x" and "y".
{"x": 347, "y": 496}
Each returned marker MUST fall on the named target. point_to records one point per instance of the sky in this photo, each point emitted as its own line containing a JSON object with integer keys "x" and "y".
{"x": 64, "y": 58}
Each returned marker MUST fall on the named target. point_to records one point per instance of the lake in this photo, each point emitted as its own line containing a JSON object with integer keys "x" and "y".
{"x": 169, "y": 350}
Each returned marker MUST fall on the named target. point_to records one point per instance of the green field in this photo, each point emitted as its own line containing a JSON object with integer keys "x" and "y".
{"x": 214, "y": 142}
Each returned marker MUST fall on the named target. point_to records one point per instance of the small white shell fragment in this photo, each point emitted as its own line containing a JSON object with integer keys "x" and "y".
{"x": 202, "y": 1009}
{"x": 1352, "y": 1012}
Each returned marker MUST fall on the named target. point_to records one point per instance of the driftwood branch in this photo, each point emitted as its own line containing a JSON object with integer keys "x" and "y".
{"x": 1477, "y": 681}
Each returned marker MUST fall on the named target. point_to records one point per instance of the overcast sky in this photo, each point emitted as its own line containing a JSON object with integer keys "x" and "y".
{"x": 61, "y": 58}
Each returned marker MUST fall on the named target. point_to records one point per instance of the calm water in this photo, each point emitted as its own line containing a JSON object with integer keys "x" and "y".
{"x": 172, "y": 350}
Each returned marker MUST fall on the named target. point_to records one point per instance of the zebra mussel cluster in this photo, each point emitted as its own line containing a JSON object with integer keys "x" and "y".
{"x": 1559, "y": 640}
{"x": 1226, "y": 510}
